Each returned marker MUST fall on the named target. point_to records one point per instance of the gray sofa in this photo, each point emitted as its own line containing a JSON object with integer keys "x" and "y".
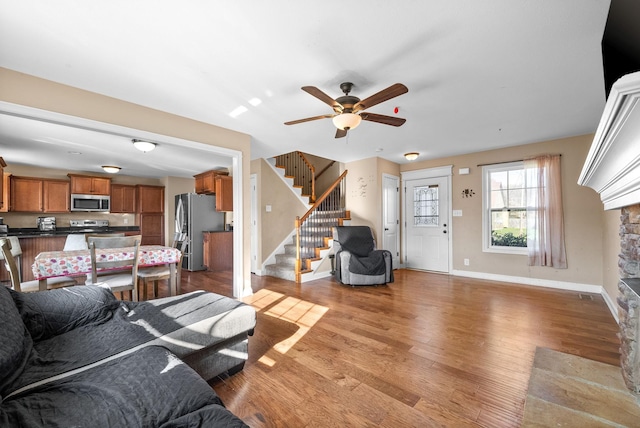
{"x": 79, "y": 357}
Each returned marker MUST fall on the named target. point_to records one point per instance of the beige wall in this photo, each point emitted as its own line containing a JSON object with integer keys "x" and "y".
{"x": 364, "y": 194}
{"x": 30, "y": 91}
{"x": 276, "y": 225}
{"x": 583, "y": 214}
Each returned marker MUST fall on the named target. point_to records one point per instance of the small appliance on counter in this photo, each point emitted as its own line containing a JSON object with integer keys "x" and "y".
{"x": 4, "y": 229}
{"x": 46, "y": 224}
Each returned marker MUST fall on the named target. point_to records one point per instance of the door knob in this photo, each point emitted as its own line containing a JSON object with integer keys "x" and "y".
{"x": 444, "y": 231}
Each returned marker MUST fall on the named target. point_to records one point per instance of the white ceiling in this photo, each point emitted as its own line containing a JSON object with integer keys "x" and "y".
{"x": 481, "y": 75}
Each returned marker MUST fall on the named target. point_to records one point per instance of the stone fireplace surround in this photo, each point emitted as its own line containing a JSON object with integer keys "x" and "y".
{"x": 629, "y": 298}
{"x": 612, "y": 169}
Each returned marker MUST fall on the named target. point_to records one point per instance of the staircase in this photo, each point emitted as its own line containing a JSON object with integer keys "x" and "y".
{"x": 310, "y": 241}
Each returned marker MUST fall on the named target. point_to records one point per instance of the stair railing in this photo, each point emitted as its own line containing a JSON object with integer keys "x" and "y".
{"x": 317, "y": 224}
{"x": 297, "y": 165}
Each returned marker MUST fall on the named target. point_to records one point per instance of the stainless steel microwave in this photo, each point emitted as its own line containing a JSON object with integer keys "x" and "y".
{"x": 100, "y": 203}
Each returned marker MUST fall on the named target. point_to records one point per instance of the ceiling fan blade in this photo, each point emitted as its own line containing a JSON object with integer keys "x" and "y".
{"x": 384, "y": 95}
{"x": 309, "y": 119}
{"x": 380, "y": 118}
{"x": 312, "y": 90}
{"x": 341, "y": 133}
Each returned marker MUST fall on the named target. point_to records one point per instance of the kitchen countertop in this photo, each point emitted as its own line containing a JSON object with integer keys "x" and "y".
{"x": 34, "y": 232}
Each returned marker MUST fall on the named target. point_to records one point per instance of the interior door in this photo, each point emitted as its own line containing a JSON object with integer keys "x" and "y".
{"x": 427, "y": 228}
{"x": 391, "y": 217}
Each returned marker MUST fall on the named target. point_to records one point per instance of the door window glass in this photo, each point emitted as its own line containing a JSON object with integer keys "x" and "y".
{"x": 426, "y": 206}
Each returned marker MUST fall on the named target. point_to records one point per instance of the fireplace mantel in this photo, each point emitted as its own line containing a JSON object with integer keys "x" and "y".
{"x": 612, "y": 167}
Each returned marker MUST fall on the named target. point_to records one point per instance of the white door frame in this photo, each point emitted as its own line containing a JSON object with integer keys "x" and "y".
{"x": 254, "y": 223}
{"x": 241, "y": 285}
{"x": 442, "y": 171}
{"x": 385, "y": 209}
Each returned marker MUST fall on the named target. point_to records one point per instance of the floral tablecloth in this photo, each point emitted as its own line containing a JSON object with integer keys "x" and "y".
{"x": 68, "y": 263}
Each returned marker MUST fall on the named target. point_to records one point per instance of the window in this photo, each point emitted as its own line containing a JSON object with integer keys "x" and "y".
{"x": 505, "y": 189}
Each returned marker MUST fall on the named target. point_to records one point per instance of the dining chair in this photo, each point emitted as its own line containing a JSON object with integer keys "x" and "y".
{"x": 155, "y": 274}
{"x": 75, "y": 241}
{"x": 119, "y": 275}
{"x": 8, "y": 255}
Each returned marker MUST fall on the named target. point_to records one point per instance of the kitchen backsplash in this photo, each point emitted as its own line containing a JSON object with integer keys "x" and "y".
{"x": 22, "y": 220}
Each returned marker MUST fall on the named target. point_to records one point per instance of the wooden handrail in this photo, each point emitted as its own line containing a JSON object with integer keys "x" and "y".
{"x": 324, "y": 169}
{"x": 313, "y": 173}
{"x": 323, "y": 197}
{"x": 330, "y": 206}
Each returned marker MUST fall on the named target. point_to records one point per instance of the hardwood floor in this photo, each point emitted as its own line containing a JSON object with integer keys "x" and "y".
{"x": 426, "y": 350}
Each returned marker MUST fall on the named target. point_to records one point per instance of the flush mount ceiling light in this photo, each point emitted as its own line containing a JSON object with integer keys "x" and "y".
{"x": 111, "y": 169}
{"x": 347, "y": 121}
{"x": 144, "y": 146}
{"x": 411, "y": 156}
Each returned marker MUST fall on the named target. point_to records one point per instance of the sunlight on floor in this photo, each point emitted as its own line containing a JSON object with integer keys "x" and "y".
{"x": 299, "y": 312}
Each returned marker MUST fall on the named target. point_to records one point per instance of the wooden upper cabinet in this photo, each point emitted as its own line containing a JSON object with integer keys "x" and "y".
{"x": 26, "y": 194}
{"x": 6, "y": 192}
{"x": 123, "y": 198}
{"x": 206, "y": 181}
{"x": 149, "y": 199}
{"x": 56, "y": 196}
{"x": 2, "y": 184}
{"x": 87, "y": 185}
{"x": 224, "y": 193}
{"x": 31, "y": 194}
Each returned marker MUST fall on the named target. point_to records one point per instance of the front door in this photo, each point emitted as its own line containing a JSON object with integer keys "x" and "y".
{"x": 427, "y": 229}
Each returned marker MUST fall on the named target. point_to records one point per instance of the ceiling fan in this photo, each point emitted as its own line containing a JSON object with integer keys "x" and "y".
{"x": 347, "y": 107}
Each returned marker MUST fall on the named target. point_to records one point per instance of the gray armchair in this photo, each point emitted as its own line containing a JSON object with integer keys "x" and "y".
{"x": 358, "y": 262}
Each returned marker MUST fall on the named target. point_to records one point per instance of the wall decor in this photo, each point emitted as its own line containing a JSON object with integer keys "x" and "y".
{"x": 468, "y": 193}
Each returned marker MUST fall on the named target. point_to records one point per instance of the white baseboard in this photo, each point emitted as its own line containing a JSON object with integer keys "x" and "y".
{"x": 613, "y": 306}
{"x": 561, "y": 285}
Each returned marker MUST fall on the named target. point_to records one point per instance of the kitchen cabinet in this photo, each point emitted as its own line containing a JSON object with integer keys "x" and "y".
{"x": 224, "y": 193}
{"x": 6, "y": 191}
{"x": 88, "y": 185}
{"x": 26, "y": 194}
{"x": 3, "y": 191}
{"x": 56, "y": 196}
{"x": 218, "y": 251}
{"x": 150, "y": 214}
{"x": 206, "y": 181}
{"x": 31, "y": 194}
{"x": 123, "y": 198}
{"x": 31, "y": 247}
{"x": 150, "y": 199}
{"x": 151, "y": 228}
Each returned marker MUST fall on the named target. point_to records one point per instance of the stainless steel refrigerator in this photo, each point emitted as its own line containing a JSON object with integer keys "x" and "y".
{"x": 196, "y": 214}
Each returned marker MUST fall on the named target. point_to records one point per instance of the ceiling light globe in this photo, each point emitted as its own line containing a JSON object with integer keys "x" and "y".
{"x": 111, "y": 169}
{"x": 347, "y": 121}
{"x": 144, "y": 146}
{"x": 411, "y": 156}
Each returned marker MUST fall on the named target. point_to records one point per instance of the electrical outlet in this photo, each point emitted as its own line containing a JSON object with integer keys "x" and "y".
{"x": 457, "y": 213}
{"x": 466, "y": 262}
{"x": 126, "y": 220}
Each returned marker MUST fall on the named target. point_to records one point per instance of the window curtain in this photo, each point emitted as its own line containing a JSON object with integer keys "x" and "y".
{"x": 545, "y": 226}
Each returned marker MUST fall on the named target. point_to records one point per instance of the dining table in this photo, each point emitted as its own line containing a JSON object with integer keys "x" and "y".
{"x": 51, "y": 264}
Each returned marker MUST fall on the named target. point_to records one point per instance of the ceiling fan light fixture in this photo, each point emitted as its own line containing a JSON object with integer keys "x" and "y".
{"x": 347, "y": 121}
{"x": 411, "y": 156}
{"x": 111, "y": 169}
{"x": 144, "y": 146}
